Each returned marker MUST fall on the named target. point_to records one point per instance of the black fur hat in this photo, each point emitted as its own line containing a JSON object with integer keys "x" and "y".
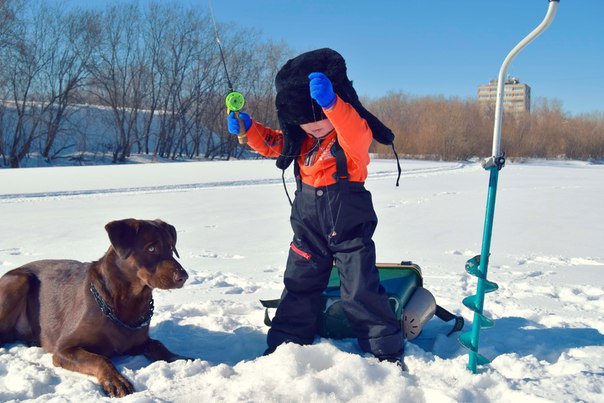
{"x": 295, "y": 106}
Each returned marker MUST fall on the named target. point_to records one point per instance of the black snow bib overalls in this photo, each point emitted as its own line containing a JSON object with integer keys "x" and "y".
{"x": 334, "y": 224}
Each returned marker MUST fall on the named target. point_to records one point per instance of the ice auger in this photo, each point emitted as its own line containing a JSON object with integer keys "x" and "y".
{"x": 478, "y": 265}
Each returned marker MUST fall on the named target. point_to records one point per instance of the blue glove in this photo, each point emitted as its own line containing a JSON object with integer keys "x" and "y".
{"x": 321, "y": 90}
{"x": 233, "y": 123}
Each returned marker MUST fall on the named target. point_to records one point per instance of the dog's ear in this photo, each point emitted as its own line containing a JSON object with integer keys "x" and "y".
{"x": 122, "y": 234}
{"x": 171, "y": 231}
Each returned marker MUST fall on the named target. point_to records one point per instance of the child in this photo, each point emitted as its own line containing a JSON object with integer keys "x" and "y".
{"x": 326, "y": 130}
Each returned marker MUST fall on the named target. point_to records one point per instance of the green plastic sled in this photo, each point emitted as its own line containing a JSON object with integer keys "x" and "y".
{"x": 412, "y": 304}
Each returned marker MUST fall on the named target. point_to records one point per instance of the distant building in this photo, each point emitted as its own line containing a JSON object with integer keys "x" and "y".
{"x": 516, "y": 96}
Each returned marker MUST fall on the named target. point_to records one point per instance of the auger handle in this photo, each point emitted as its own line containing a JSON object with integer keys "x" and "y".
{"x": 549, "y": 17}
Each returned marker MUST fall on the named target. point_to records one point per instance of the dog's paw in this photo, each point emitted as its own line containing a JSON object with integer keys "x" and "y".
{"x": 116, "y": 385}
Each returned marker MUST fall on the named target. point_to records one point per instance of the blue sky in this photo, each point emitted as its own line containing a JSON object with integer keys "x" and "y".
{"x": 437, "y": 47}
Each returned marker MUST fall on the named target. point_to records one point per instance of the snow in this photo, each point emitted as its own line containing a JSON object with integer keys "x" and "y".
{"x": 233, "y": 235}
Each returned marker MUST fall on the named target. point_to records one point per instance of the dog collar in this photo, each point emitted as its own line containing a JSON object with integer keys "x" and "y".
{"x": 144, "y": 320}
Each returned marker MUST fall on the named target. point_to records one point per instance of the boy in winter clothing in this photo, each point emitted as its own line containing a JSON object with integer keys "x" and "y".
{"x": 326, "y": 132}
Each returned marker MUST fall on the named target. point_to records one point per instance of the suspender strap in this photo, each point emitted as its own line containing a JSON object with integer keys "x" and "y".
{"x": 341, "y": 174}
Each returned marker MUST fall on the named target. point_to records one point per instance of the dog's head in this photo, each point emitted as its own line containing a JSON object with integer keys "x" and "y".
{"x": 147, "y": 247}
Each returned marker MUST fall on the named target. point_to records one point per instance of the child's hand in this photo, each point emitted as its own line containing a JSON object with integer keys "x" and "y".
{"x": 321, "y": 90}
{"x": 233, "y": 123}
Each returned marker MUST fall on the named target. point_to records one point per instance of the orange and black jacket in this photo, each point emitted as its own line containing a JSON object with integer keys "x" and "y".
{"x": 316, "y": 160}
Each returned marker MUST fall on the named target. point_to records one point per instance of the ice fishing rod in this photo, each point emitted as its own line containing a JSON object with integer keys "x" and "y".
{"x": 478, "y": 265}
{"x": 234, "y": 100}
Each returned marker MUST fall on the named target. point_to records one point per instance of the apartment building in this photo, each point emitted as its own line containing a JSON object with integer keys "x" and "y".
{"x": 516, "y": 95}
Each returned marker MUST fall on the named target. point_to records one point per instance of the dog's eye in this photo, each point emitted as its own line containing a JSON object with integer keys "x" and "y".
{"x": 152, "y": 249}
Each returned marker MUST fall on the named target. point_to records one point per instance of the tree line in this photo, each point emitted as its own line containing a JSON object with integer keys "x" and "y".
{"x": 456, "y": 129}
{"x": 77, "y": 83}
{"x": 154, "y": 74}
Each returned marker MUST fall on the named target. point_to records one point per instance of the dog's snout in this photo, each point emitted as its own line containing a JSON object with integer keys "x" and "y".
{"x": 180, "y": 276}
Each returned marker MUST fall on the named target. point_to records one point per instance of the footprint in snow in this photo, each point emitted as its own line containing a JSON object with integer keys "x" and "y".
{"x": 214, "y": 255}
{"x": 561, "y": 261}
{"x": 466, "y": 253}
{"x": 12, "y": 251}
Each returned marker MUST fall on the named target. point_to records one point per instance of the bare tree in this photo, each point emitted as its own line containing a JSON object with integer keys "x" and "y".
{"x": 116, "y": 74}
{"x": 9, "y": 9}
{"x": 153, "y": 35}
{"x": 9, "y": 20}
{"x": 25, "y": 63}
{"x": 181, "y": 48}
{"x": 264, "y": 63}
{"x": 75, "y": 37}
{"x": 172, "y": 37}
{"x": 206, "y": 102}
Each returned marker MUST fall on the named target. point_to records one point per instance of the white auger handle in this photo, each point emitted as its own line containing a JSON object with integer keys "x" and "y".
{"x": 549, "y": 17}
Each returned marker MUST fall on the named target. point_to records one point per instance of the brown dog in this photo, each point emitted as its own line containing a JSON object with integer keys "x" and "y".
{"x": 84, "y": 313}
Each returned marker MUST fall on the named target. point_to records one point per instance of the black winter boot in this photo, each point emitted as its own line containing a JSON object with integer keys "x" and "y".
{"x": 398, "y": 361}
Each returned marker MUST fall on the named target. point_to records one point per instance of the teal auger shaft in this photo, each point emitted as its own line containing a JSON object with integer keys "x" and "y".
{"x": 478, "y": 267}
{"x": 483, "y": 285}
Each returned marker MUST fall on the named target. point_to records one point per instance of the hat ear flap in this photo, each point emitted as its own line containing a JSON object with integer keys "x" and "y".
{"x": 346, "y": 91}
{"x": 293, "y": 138}
{"x": 381, "y": 132}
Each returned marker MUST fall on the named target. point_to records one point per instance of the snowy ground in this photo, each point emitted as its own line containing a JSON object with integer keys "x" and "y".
{"x": 233, "y": 237}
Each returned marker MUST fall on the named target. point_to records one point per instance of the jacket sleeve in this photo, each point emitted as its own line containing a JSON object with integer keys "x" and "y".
{"x": 265, "y": 140}
{"x": 354, "y": 134}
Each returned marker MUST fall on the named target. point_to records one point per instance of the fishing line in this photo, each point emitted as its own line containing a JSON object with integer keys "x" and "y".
{"x": 321, "y": 161}
{"x": 331, "y": 203}
{"x": 234, "y": 100}
{"x": 226, "y": 72}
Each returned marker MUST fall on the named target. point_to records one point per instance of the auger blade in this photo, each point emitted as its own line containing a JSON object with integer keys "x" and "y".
{"x": 471, "y": 302}
{"x": 473, "y": 266}
{"x": 489, "y": 286}
{"x": 480, "y": 359}
{"x": 485, "y": 323}
{"x": 466, "y": 340}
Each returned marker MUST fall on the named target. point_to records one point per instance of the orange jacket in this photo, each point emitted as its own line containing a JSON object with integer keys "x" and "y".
{"x": 353, "y": 134}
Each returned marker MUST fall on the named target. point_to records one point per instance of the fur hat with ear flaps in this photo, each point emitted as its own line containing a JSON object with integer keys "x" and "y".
{"x": 296, "y": 107}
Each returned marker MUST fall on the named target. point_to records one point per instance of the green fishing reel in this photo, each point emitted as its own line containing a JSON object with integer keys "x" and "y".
{"x": 234, "y": 101}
